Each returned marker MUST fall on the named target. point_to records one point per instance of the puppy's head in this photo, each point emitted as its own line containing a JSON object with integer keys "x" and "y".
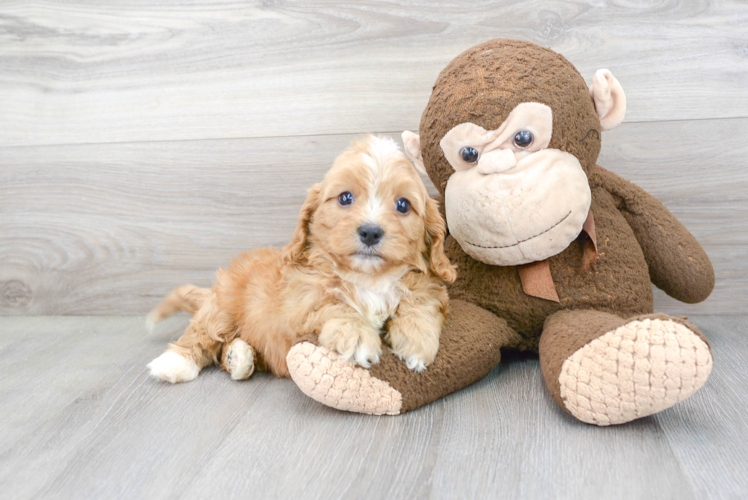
{"x": 372, "y": 213}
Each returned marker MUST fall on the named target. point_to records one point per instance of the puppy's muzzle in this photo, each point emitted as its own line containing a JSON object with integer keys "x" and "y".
{"x": 370, "y": 234}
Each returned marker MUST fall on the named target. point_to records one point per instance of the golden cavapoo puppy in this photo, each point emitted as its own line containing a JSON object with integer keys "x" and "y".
{"x": 367, "y": 255}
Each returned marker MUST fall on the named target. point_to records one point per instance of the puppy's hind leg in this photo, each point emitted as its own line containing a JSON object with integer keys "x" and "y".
{"x": 197, "y": 348}
{"x": 238, "y": 358}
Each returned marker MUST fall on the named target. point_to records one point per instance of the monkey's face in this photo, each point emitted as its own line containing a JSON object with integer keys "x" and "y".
{"x": 508, "y": 137}
{"x": 511, "y": 199}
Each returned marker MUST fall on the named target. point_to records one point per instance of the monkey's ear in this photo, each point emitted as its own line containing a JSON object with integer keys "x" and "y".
{"x": 412, "y": 143}
{"x": 292, "y": 251}
{"x": 610, "y": 101}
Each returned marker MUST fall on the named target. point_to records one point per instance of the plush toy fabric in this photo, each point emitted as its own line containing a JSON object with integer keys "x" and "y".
{"x": 554, "y": 253}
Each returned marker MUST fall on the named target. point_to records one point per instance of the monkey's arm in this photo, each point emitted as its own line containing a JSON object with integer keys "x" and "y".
{"x": 677, "y": 263}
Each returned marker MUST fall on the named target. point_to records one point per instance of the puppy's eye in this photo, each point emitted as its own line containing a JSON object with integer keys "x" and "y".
{"x": 523, "y": 138}
{"x": 345, "y": 198}
{"x": 468, "y": 154}
{"x": 402, "y": 205}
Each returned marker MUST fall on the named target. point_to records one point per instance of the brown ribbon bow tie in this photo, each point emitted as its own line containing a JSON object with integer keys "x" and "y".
{"x": 536, "y": 276}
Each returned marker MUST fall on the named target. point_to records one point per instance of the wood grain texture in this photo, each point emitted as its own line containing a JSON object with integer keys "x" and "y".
{"x": 143, "y": 144}
{"x": 507, "y": 438}
{"x": 92, "y": 72}
{"x": 110, "y": 228}
{"x": 707, "y": 432}
{"x": 94, "y": 426}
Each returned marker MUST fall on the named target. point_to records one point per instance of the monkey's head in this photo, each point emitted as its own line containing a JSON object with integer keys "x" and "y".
{"x": 508, "y": 137}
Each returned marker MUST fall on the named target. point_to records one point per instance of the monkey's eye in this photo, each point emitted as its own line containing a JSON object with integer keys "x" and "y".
{"x": 470, "y": 155}
{"x": 345, "y": 198}
{"x": 523, "y": 138}
{"x": 402, "y": 205}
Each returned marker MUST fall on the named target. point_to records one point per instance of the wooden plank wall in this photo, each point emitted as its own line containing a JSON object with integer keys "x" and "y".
{"x": 143, "y": 144}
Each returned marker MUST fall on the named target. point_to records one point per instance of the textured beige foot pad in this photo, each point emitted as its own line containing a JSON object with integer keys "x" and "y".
{"x": 322, "y": 375}
{"x": 638, "y": 369}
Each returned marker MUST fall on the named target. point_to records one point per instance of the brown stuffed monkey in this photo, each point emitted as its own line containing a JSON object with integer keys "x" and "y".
{"x": 554, "y": 254}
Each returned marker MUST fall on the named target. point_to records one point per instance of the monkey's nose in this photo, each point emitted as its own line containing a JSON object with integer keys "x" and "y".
{"x": 496, "y": 161}
{"x": 370, "y": 234}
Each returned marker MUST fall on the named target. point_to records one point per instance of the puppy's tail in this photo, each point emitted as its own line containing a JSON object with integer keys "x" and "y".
{"x": 185, "y": 298}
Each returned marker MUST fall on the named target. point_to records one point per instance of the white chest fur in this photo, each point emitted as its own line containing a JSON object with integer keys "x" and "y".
{"x": 376, "y": 302}
{"x": 375, "y": 298}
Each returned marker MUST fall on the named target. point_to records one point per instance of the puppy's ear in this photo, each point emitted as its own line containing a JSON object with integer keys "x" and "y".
{"x": 436, "y": 232}
{"x": 295, "y": 248}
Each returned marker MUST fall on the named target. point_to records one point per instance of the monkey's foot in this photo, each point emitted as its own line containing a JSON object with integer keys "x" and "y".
{"x": 640, "y": 368}
{"x": 324, "y": 376}
{"x": 469, "y": 347}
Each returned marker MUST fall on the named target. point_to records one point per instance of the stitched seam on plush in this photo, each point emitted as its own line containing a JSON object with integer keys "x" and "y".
{"x": 528, "y": 239}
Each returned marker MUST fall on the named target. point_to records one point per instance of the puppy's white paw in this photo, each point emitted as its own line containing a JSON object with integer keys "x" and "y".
{"x": 171, "y": 367}
{"x": 352, "y": 340}
{"x": 365, "y": 356}
{"x": 415, "y": 363}
{"x": 417, "y": 350}
{"x": 240, "y": 359}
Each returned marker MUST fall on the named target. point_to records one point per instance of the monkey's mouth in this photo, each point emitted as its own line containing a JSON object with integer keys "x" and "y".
{"x": 526, "y": 239}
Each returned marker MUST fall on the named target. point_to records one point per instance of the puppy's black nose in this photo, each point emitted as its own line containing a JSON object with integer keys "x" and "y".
{"x": 370, "y": 234}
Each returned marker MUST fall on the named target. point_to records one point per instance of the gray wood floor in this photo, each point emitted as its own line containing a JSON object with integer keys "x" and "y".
{"x": 81, "y": 419}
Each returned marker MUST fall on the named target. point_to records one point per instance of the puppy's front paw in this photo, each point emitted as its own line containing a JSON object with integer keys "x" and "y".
{"x": 367, "y": 355}
{"x": 415, "y": 343}
{"x": 352, "y": 341}
{"x": 171, "y": 367}
{"x": 415, "y": 363}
